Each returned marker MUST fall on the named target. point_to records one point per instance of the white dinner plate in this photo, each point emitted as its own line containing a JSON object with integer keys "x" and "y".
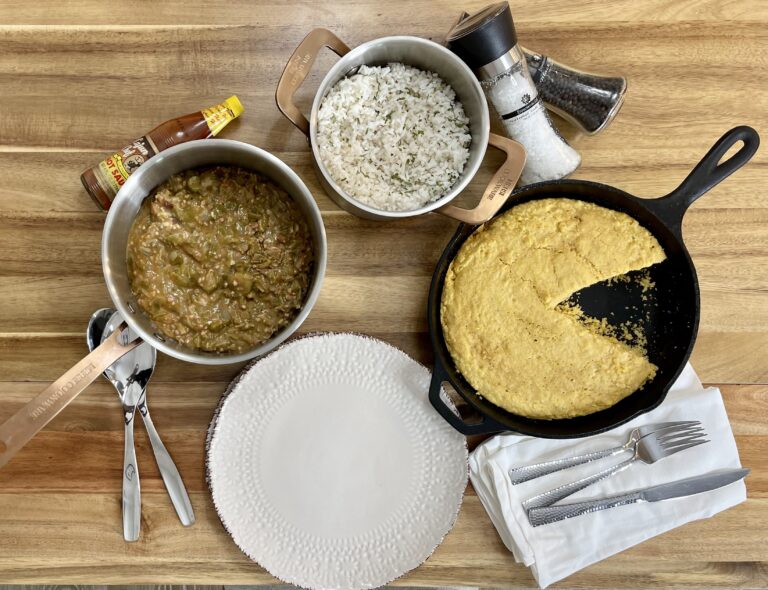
{"x": 329, "y": 467}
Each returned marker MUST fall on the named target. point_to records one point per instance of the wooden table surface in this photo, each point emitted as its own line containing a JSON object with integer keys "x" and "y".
{"x": 83, "y": 77}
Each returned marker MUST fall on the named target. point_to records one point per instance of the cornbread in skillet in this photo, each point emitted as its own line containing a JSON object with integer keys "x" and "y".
{"x": 220, "y": 259}
{"x": 499, "y": 315}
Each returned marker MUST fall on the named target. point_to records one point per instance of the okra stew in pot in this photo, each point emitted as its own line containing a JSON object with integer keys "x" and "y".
{"x": 220, "y": 258}
{"x": 223, "y": 251}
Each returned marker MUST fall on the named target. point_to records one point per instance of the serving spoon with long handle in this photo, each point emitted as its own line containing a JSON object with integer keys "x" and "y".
{"x": 130, "y": 376}
{"x": 20, "y": 428}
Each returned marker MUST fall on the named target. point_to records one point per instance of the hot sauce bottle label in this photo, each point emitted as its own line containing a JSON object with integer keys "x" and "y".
{"x": 218, "y": 116}
{"x": 104, "y": 180}
{"x": 115, "y": 170}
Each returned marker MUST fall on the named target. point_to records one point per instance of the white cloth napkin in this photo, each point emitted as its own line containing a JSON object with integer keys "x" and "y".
{"x": 557, "y": 550}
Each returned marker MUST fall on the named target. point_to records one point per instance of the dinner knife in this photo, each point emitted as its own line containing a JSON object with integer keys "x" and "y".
{"x": 667, "y": 491}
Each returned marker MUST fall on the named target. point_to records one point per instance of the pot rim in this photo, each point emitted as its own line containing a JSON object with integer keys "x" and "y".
{"x": 481, "y": 136}
{"x": 315, "y": 222}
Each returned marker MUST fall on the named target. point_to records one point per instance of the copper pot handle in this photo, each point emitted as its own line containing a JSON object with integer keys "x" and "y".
{"x": 499, "y": 188}
{"x": 19, "y": 429}
{"x": 296, "y": 70}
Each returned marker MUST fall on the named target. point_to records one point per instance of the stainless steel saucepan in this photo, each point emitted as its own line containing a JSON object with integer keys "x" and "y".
{"x": 126, "y": 205}
{"x": 425, "y": 55}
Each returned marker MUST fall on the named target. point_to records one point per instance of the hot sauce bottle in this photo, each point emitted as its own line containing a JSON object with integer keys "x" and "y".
{"x": 104, "y": 180}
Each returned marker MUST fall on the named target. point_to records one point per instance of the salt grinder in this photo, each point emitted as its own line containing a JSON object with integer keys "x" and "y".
{"x": 487, "y": 42}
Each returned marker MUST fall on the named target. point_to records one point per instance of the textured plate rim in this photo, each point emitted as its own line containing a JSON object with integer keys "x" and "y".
{"x": 236, "y": 381}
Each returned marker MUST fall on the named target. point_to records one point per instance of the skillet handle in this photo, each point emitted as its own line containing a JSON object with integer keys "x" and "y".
{"x": 707, "y": 174}
{"x": 485, "y": 426}
{"x": 296, "y": 71}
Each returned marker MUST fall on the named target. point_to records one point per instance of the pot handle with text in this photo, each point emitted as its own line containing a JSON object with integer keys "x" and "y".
{"x": 20, "y": 428}
{"x": 296, "y": 70}
{"x": 499, "y": 188}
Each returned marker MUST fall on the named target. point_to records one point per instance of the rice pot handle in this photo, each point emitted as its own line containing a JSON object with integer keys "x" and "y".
{"x": 499, "y": 188}
{"x": 296, "y": 71}
{"x": 707, "y": 174}
{"x": 485, "y": 426}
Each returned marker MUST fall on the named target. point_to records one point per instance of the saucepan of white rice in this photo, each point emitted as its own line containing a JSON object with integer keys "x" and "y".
{"x": 398, "y": 127}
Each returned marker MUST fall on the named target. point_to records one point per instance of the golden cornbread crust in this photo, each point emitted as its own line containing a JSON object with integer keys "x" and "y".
{"x": 498, "y": 308}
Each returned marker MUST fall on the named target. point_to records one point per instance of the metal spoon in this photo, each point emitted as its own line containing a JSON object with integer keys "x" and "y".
{"x": 144, "y": 365}
{"x": 138, "y": 367}
{"x": 124, "y": 376}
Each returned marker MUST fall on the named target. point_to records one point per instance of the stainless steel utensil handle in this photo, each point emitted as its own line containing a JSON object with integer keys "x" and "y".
{"x": 168, "y": 470}
{"x": 561, "y": 492}
{"x": 19, "y": 429}
{"x": 528, "y": 472}
{"x": 550, "y": 514}
{"x": 131, "y": 484}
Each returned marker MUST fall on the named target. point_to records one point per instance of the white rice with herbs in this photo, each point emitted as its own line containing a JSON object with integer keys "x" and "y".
{"x": 393, "y": 137}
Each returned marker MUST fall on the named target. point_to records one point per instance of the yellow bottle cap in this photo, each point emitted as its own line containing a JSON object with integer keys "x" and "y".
{"x": 219, "y": 115}
{"x": 233, "y": 103}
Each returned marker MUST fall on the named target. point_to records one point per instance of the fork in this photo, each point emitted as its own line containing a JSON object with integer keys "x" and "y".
{"x": 528, "y": 472}
{"x": 649, "y": 449}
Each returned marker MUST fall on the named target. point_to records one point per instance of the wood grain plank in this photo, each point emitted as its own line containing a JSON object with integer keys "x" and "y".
{"x": 133, "y": 587}
{"x": 38, "y": 182}
{"x": 468, "y": 556}
{"x": 717, "y": 238}
{"x": 380, "y": 303}
{"x": 177, "y": 407}
{"x": 189, "y": 406}
{"x": 28, "y": 247}
{"x": 41, "y": 84}
{"x": 341, "y": 13}
{"x": 720, "y": 357}
{"x": 45, "y": 357}
{"x": 46, "y": 464}
{"x": 747, "y": 406}
{"x": 396, "y": 302}
{"x": 731, "y": 357}
{"x": 88, "y": 438}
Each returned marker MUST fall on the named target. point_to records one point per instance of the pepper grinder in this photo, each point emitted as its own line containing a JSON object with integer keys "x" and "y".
{"x": 587, "y": 100}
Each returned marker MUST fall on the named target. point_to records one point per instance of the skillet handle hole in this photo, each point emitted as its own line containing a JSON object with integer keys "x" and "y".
{"x": 462, "y": 409}
{"x": 732, "y": 151}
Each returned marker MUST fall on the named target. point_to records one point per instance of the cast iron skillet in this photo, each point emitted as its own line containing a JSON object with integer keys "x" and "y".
{"x": 670, "y": 320}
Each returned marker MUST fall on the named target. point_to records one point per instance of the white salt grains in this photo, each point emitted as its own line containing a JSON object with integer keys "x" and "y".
{"x": 525, "y": 120}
